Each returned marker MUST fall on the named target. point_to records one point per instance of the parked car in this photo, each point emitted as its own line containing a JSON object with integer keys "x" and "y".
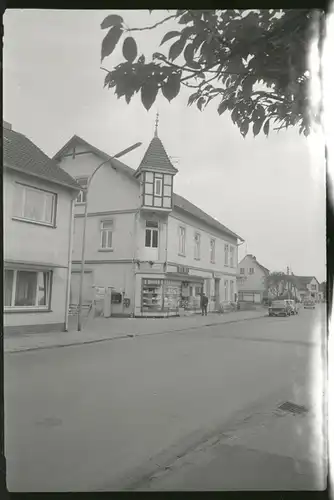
{"x": 293, "y": 306}
{"x": 309, "y": 304}
{"x": 280, "y": 308}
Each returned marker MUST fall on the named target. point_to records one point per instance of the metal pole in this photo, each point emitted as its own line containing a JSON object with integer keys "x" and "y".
{"x": 82, "y": 272}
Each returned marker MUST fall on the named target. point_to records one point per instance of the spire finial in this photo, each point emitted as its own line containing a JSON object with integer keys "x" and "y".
{"x": 156, "y": 125}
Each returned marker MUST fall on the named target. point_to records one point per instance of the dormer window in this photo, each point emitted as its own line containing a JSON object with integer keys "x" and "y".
{"x": 157, "y": 190}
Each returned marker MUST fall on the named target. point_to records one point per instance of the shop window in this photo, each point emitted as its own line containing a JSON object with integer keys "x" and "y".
{"x": 27, "y": 289}
{"x": 151, "y": 295}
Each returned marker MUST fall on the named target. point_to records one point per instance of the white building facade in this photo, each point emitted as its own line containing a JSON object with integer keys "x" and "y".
{"x": 153, "y": 249}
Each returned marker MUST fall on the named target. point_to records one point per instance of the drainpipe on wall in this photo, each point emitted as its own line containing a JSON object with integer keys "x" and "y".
{"x": 134, "y": 256}
{"x": 69, "y": 267}
{"x": 166, "y": 249}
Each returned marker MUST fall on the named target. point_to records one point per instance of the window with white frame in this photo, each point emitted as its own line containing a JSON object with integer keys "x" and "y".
{"x": 27, "y": 289}
{"x": 242, "y": 270}
{"x": 197, "y": 246}
{"x": 212, "y": 250}
{"x": 106, "y": 234}
{"x": 35, "y": 205}
{"x": 152, "y": 234}
{"x": 226, "y": 254}
{"x": 313, "y": 287}
{"x": 251, "y": 270}
{"x": 231, "y": 256}
{"x": 82, "y": 196}
{"x": 182, "y": 240}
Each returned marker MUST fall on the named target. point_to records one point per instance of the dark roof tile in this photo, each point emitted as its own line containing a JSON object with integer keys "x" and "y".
{"x": 156, "y": 157}
{"x": 20, "y": 153}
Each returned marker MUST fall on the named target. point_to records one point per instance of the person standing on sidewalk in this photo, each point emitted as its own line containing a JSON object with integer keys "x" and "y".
{"x": 204, "y": 304}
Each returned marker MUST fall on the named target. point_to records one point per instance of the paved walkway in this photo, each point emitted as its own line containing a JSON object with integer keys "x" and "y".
{"x": 102, "y": 329}
{"x": 274, "y": 452}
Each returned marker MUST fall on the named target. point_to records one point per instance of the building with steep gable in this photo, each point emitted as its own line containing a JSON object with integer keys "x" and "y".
{"x": 251, "y": 279}
{"x": 155, "y": 249}
{"x": 38, "y": 201}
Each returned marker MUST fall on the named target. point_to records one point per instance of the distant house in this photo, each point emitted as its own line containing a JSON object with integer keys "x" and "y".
{"x": 302, "y": 287}
{"x": 38, "y": 200}
{"x": 308, "y": 287}
{"x": 251, "y": 280}
{"x": 322, "y": 291}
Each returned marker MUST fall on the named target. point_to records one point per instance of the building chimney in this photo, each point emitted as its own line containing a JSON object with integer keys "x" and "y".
{"x": 7, "y": 125}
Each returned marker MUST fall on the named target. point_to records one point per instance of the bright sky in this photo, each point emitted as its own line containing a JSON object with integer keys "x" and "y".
{"x": 271, "y": 191}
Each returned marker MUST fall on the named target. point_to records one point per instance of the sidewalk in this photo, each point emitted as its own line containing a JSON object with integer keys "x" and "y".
{"x": 278, "y": 452}
{"x": 103, "y": 329}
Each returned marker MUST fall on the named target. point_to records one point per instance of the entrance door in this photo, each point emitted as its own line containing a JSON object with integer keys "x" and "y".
{"x": 217, "y": 297}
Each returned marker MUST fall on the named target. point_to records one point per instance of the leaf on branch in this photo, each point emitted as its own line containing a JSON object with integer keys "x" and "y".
{"x": 192, "y": 98}
{"x": 257, "y": 127}
{"x": 112, "y": 20}
{"x": 149, "y": 93}
{"x": 130, "y": 49}
{"x": 176, "y": 49}
{"x": 223, "y": 106}
{"x": 186, "y": 18}
{"x": 187, "y": 31}
{"x": 172, "y": 86}
{"x": 200, "y": 103}
{"x": 169, "y": 36}
{"x": 189, "y": 53}
{"x": 243, "y": 127}
{"x": 266, "y": 128}
{"x": 141, "y": 59}
{"x": 110, "y": 41}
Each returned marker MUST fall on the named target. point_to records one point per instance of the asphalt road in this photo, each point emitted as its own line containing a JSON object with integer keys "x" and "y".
{"x": 102, "y": 416}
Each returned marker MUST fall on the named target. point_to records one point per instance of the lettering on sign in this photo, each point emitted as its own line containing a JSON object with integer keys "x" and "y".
{"x": 183, "y": 270}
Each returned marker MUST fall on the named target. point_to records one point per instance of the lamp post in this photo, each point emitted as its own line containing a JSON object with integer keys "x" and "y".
{"x": 118, "y": 155}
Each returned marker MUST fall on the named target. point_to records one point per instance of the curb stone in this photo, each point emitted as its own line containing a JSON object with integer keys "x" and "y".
{"x": 120, "y": 337}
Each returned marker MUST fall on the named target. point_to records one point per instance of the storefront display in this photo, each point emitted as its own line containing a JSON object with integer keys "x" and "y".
{"x": 166, "y": 295}
{"x": 152, "y": 295}
{"x": 172, "y": 295}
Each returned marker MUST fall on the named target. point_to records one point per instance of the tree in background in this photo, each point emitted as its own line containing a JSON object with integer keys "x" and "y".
{"x": 252, "y": 63}
{"x": 275, "y": 283}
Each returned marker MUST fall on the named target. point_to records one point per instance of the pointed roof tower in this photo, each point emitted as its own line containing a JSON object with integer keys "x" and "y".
{"x": 156, "y": 157}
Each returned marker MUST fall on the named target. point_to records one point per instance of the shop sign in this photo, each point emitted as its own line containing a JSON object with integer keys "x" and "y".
{"x": 183, "y": 270}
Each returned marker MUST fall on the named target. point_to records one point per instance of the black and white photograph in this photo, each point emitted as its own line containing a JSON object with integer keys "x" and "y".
{"x": 164, "y": 252}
